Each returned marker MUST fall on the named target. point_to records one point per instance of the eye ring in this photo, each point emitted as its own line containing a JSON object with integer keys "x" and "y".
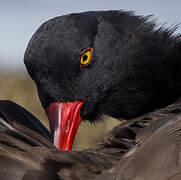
{"x": 86, "y": 57}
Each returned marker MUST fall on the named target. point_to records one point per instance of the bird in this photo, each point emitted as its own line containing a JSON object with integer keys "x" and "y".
{"x": 133, "y": 150}
{"x": 12, "y": 113}
{"x": 27, "y": 152}
{"x": 102, "y": 62}
{"x": 156, "y": 152}
{"x": 88, "y": 64}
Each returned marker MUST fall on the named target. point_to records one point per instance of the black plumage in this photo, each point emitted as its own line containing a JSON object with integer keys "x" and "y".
{"x": 137, "y": 148}
{"x": 135, "y": 69}
{"x": 12, "y": 113}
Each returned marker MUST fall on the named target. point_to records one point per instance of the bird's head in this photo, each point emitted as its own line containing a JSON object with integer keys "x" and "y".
{"x": 94, "y": 63}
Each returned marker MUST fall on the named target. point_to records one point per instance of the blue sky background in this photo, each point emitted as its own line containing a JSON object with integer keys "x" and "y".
{"x": 19, "y": 19}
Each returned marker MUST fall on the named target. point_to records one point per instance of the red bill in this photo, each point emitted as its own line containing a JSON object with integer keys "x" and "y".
{"x": 64, "y": 119}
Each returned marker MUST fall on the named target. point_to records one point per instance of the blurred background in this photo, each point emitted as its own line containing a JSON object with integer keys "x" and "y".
{"x": 19, "y": 19}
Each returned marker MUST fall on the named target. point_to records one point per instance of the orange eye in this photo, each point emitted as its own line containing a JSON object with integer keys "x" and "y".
{"x": 86, "y": 56}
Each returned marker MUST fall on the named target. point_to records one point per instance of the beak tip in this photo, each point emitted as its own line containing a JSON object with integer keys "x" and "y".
{"x": 64, "y": 119}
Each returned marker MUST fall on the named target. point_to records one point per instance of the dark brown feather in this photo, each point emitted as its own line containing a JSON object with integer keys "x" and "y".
{"x": 130, "y": 151}
{"x": 156, "y": 154}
